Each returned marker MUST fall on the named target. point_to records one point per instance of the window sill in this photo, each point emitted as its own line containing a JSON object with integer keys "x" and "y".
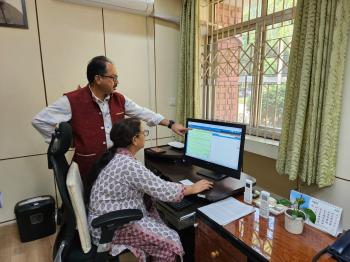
{"x": 261, "y": 146}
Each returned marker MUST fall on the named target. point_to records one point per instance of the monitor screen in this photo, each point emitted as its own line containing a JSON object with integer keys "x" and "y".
{"x": 217, "y": 146}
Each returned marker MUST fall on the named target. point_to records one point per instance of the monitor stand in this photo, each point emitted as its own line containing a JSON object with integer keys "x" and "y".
{"x": 211, "y": 174}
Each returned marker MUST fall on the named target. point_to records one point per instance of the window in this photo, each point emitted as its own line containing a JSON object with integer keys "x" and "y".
{"x": 245, "y": 47}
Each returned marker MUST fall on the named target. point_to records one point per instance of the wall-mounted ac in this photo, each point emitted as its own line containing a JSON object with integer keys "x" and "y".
{"x": 142, "y": 7}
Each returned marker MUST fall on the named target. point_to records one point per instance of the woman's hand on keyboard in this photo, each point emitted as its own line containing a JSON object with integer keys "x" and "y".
{"x": 198, "y": 187}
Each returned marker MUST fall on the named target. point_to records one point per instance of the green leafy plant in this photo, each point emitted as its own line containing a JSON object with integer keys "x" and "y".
{"x": 296, "y": 210}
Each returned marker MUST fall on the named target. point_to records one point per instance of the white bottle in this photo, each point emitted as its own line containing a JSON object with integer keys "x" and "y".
{"x": 264, "y": 204}
{"x": 248, "y": 191}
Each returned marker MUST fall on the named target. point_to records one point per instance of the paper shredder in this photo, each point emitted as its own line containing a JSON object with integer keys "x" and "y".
{"x": 35, "y": 217}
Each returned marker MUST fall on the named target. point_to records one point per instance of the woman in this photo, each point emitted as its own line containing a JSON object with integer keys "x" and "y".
{"x": 119, "y": 181}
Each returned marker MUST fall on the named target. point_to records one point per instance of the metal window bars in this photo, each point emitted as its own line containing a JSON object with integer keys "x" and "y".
{"x": 245, "y": 47}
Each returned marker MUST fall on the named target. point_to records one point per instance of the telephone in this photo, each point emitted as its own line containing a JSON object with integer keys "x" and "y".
{"x": 340, "y": 249}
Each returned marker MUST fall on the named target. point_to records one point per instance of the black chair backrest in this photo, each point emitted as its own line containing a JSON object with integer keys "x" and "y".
{"x": 60, "y": 143}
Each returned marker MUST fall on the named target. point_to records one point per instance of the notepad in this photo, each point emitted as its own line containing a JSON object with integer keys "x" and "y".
{"x": 227, "y": 210}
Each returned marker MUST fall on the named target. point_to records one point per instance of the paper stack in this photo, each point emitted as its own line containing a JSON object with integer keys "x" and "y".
{"x": 227, "y": 210}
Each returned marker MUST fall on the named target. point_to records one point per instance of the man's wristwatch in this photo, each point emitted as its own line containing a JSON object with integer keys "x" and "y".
{"x": 171, "y": 122}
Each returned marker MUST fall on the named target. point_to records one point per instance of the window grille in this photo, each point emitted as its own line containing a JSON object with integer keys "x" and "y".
{"x": 245, "y": 47}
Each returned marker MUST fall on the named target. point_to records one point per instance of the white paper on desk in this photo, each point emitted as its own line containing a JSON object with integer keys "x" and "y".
{"x": 227, "y": 210}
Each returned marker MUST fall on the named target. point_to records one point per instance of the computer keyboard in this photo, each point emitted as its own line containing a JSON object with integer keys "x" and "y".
{"x": 181, "y": 205}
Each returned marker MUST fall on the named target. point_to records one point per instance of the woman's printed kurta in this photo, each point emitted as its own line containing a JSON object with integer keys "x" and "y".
{"x": 122, "y": 184}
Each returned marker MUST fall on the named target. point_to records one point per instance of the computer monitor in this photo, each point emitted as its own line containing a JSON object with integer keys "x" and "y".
{"x": 216, "y": 147}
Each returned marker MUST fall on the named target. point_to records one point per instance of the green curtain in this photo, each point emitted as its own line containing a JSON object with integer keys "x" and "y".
{"x": 311, "y": 118}
{"x": 187, "y": 102}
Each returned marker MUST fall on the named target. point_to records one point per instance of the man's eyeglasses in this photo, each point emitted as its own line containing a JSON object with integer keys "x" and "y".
{"x": 113, "y": 77}
{"x": 145, "y": 132}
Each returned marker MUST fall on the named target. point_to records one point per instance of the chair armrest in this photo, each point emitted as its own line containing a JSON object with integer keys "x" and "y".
{"x": 119, "y": 217}
{"x": 111, "y": 221}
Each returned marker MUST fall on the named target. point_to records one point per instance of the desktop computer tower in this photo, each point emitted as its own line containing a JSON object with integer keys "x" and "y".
{"x": 187, "y": 237}
{"x": 184, "y": 227}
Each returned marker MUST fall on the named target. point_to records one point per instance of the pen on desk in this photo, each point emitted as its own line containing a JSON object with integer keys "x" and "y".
{"x": 187, "y": 216}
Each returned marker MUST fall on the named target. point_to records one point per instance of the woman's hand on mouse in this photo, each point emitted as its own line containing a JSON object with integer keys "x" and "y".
{"x": 198, "y": 187}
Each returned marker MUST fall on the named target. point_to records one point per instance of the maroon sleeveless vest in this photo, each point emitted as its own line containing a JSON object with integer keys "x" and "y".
{"x": 89, "y": 135}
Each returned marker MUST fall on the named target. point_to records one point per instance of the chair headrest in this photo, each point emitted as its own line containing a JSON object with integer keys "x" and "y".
{"x": 61, "y": 140}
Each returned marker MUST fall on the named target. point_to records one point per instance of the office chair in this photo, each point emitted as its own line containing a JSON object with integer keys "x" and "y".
{"x": 67, "y": 244}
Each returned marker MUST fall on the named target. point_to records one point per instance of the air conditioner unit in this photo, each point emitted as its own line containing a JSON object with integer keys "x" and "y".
{"x": 142, "y": 7}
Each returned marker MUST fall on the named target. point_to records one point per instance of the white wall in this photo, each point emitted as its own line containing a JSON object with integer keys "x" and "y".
{"x": 166, "y": 72}
{"x": 20, "y": 75}
{"x": 23, "y": 168}
{"x": 339, "y": 193}
{"x": 70, "y": 35}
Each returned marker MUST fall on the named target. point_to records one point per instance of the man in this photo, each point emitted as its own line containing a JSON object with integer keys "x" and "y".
{"x": 92, "y": 110}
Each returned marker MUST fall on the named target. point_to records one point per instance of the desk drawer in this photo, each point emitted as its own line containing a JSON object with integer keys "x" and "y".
{"x": 210, "y": 246}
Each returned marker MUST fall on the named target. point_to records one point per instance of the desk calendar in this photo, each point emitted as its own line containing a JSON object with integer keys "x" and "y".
{"x": 327, "y": 215}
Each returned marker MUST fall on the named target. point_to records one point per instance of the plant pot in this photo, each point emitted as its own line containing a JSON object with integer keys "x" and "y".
{"x": 294, "y": 225}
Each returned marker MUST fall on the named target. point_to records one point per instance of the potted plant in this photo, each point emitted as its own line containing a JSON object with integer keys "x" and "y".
{"x": 295, "y": 215}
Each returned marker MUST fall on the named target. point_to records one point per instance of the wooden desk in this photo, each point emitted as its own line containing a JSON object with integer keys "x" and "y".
{"x": 248, "y": 239}
{"x": 252, "y": 238}
{"x": 171, "y": 166}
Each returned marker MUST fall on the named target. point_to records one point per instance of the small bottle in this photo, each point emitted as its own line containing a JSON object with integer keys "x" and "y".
{"x": 264, "y": 204}
{"x": 248, "y": 191}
